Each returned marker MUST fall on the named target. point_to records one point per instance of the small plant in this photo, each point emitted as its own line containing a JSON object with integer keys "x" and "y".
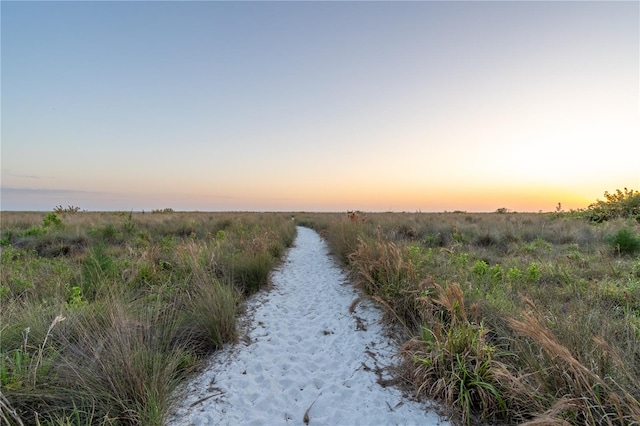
{"x": 5, "y": 241}
{"x": 14, "y": 365}
{"x": 461, "y": 260}
{"x": 497, "y": 274}
{"x": 4, "y": 290}
{"x": 34, "y": 231}
{"x": 480, "y": 268}
{"x": 625, "y": 242}
{"x": 51, "y": 219}
{"x": 514, "y": 274}
{"x": 75, "y": 299}
{"x": 129, "y": 225}
{"x": 533, "y": 272}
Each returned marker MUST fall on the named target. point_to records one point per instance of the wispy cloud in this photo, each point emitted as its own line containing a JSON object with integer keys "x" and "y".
{"x": 16, "y": 174}
{"x": 29, "y": 176}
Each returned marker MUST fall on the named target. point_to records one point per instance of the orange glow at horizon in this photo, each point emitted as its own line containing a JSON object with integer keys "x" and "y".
{"x": 432, "y": 199}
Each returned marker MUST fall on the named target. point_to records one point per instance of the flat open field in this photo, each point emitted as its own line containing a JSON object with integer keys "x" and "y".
{"x": 505, "y": 317}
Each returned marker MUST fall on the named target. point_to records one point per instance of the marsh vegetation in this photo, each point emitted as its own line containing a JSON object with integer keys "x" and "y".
{"x": 506, "y": 317}
{"x": 509, "y": 317}
{"x": 102, "y": 314}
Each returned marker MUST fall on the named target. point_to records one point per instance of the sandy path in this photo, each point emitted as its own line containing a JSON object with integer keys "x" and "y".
{"x": 305, "y": 358}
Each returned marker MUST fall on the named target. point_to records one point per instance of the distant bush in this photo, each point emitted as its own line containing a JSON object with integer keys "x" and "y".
{"x": 621, "y": 204}
{"x": 69, "y": 209}
{"x": 165, "y": 210}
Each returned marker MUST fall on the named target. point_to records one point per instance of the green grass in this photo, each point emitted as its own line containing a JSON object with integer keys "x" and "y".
{"x": 103, "y": 314}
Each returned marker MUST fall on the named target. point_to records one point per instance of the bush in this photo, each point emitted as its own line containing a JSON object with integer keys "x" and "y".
{"x": 69, "y": 209}
{"x": 625, "y": 241}
{"x": 480, "y": 268}
{"x": 51, "y": 219}
{"x": 625, "y": 204}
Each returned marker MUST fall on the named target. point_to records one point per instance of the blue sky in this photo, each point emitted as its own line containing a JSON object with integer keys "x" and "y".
{"x": 323, "y": 106}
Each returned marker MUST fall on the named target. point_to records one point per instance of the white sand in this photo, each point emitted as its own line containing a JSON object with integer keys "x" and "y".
{"x": 304, "y": 358}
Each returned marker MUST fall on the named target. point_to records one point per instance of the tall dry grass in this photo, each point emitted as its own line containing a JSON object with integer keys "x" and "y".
{"x": 144, "y": 297}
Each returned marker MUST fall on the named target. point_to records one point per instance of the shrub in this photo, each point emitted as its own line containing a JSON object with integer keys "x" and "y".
{"x": 34, "y": 231}
{"x": 51, "y": 219}
{"x": 625, "y": 241}
{"x": 514, "y": 274}
{"x": 497, "y": 274}
{"x": 165, "y": 210}
{"x": 624, "y": 204}
{"x": 69, "y": 209}
{"x": 108, "y": 233}
{"x": 533, "y": 272}
{"x": 480, "y": 268}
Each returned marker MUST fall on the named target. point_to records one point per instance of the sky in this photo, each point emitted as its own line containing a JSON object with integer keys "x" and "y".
{"x": 318, "y": 106}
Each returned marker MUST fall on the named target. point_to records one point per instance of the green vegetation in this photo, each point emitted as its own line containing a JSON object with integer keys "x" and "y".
{"x": 509, "y": 318}
{"x": 102, "y": 314}
{"x": 625, "y": 241}
{"x": 505, "y": 317}
{"x": 620, "y": 204}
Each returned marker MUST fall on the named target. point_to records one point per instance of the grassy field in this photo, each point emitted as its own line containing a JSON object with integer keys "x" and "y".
{"x": 506, "y": 317}
{"x": 102, "y": 314}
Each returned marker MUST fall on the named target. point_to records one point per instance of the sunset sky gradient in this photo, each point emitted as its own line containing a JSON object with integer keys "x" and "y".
{"x": 318, "y": 106}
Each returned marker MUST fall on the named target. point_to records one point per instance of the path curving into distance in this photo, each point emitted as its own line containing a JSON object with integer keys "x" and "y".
{"x": 304, "y": 358}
